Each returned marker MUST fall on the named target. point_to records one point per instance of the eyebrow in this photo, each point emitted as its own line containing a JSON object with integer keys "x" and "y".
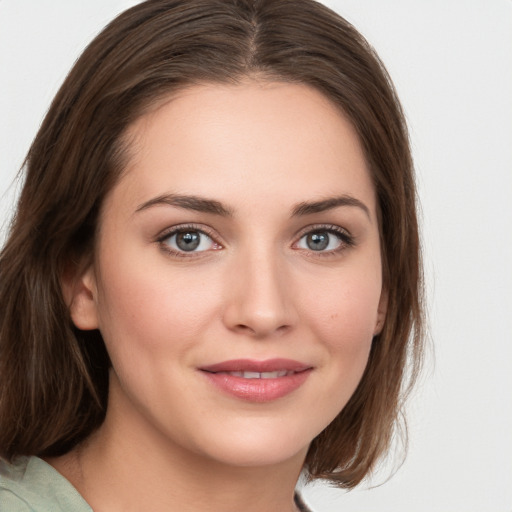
{"x": 198, "y": 204}
{"x": 308, "y": 208}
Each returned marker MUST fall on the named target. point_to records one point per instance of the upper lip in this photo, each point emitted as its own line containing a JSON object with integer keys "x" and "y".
{"x": 251, "y": 365}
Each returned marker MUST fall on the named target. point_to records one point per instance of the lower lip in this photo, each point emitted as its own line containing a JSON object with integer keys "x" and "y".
{"x": 258, "y": 390}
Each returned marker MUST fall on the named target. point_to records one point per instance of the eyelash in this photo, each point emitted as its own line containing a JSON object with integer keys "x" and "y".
{"x": 168, "y": 233}
{"x": 345, "y": 238}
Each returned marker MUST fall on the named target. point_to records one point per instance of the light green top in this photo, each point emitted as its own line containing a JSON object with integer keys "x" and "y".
{"x": 32, "y": 485}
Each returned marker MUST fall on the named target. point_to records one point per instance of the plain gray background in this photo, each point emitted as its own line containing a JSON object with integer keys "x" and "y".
{"x": 451, "y": 61}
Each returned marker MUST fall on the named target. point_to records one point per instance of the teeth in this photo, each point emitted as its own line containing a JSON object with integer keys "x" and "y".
{"x": 251, "y": 375}
{"x": 262, "y": 375}
{"x": 274, "y": 375}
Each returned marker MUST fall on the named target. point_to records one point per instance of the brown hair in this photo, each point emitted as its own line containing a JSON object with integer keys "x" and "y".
{"x": 54, "y": 377}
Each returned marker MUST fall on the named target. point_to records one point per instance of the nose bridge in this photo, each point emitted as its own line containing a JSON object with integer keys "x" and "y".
{"x": 259, "y": 300}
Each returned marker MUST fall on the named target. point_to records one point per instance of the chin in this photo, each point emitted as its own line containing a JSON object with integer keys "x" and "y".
{"x": 252, "y": 447}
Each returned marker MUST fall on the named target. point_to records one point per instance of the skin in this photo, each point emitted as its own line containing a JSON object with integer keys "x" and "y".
{"x": 254, "y": 289}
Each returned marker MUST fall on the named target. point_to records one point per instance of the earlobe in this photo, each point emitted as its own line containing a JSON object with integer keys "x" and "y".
{"x": 80, "y": 294}
{"x": 381, "y": 312}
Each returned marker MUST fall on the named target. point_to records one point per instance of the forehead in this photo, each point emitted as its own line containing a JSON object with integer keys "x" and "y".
{"x": 255, "y": 139}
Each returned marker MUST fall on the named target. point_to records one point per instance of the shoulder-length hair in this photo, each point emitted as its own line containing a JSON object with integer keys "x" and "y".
{"x": 54, "y": 377}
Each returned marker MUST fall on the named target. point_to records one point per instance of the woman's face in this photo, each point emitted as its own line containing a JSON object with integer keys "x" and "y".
{"x": 237, "y": 280}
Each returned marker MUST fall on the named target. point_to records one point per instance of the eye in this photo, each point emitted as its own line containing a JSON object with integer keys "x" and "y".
{"x": 325, "y": 240}
{"x": 187, "y": 240}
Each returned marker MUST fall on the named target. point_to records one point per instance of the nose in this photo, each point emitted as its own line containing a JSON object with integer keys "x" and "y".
{"x": 259, "y": 297}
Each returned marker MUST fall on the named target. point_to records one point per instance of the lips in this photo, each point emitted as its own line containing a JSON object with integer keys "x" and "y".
{"x": 250, "y": 365}
{"x": 257, "y": 381}
{"x": 259, "y": 375}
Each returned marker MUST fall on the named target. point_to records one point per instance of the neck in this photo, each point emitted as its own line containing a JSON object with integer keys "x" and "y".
{"x": 124, "y": 467}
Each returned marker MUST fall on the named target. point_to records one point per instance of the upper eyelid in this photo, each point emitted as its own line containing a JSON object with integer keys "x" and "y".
{"x": 344, "y": 235}
{"x": 325, "y": 227}
{"x": 171, "y": 230}
{"x": 214, "y": 235}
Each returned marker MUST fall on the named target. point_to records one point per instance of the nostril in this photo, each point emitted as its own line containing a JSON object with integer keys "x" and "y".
{"x": 242, "y": 327}
{"x": 259, "y": 311}
{"x": 261, "y": 330}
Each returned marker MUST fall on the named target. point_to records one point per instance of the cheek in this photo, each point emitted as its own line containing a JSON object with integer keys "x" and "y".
{"x": 342, "y": 319}
{"x": 151, "y": 310}
{"x": 345, "y": 311}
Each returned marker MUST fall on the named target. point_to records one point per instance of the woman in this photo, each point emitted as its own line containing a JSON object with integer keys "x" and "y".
{"x": 212, "y": 282}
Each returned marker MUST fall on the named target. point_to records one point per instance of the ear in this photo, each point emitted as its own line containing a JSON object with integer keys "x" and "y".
{"x": 381, "y": 312}
{"x": 80, "y": 294}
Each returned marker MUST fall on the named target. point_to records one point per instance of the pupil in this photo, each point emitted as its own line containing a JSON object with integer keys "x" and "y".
{"x": 317, "y": 241}
{"x": 187, "y": 240}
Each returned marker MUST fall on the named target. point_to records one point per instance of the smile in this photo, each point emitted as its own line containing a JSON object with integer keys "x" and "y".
{"x": 257, "y": 381}
{"x": 258, "y": 375}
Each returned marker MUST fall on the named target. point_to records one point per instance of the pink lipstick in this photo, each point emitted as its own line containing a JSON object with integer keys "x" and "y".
{"x": 257, "y": 381}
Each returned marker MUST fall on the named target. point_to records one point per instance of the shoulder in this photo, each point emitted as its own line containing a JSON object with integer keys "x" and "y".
{"x": 301, "y": 505}
{"x": 9, "y": 502}
{"x": 31, "y": 485}
{"x": 11, "y": 476}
